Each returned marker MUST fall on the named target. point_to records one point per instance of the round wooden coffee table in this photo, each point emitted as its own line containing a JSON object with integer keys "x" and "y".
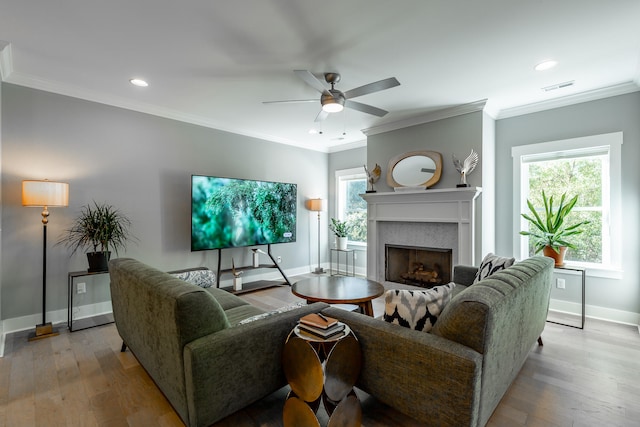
{"x": 339, "y": 290}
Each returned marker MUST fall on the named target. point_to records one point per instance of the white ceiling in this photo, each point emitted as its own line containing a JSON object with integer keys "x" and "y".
{"x": 213, "y": 63}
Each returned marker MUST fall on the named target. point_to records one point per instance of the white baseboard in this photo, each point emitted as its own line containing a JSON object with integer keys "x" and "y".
{"x": 58, "y": 318}
{"x": 91, "y": 310}
{"x": 596, "y": 312}
{"x": 359, "y": 271}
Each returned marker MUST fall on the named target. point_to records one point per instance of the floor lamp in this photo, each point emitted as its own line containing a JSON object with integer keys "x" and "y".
{"x": 44, "y": 194}
{"x": 315, "y": 205}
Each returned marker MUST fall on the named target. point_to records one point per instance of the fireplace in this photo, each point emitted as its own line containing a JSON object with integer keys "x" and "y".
{"x": 437, "y": 218}
{"x": 418, "y": 266}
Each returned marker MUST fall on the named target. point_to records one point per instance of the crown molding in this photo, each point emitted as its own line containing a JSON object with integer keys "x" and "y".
{"x": 6, "y": 60}
{"x": 26, "y": 80}
{"x": 349, "y": 146}
{"x": 591, "y": 95}
{"x": 433, "y": 116}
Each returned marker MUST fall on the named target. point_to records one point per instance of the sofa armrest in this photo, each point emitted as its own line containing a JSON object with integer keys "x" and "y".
{"x": 429, "y": 378}
{"x": 464, "y": 274}
{"x": 235, "y": 367}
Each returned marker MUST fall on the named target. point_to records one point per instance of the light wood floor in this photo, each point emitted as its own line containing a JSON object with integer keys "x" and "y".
{"x": 579, "y": 378}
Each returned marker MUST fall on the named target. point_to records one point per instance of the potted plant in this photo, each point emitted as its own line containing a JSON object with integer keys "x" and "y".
{"x": 340, "y": 229}
{"x": 549, "y": 233}
{"x": 99, "y": 227}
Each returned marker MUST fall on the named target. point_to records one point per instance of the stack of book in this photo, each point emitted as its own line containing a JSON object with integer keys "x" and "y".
{"x": 320, "y": 326}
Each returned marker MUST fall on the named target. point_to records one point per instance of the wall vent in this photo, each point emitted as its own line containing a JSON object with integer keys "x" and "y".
{"x": 558, "y": 86}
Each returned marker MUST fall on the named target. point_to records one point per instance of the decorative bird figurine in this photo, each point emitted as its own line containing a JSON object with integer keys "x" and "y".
{"x": 466, "y": 167}
{"x": 372, "y": 177}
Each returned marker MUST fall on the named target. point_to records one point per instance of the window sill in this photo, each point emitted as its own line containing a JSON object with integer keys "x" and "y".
{"x": 609, "y": 272}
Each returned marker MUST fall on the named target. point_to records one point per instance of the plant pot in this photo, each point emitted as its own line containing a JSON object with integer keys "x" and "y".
{"x": 557, "y": 257}
{"x": 98, "y": 261}
{"x": 341, "y": 243}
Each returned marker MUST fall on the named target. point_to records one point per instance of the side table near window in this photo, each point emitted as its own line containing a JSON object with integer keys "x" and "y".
{"x": 583, "y": 273}
{"x": 347, "y": 252}
{"x": 90, "y": 322}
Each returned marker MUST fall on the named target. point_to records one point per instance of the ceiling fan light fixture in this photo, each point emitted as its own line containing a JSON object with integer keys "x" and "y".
{"x": 332, "y": 102}
{"x": 333, "y": 107}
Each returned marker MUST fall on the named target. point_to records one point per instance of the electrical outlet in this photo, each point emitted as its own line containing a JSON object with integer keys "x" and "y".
{"x": 560, "y": 283}
{"x": 82, "y": 288}
{"x": 279, "y": 259}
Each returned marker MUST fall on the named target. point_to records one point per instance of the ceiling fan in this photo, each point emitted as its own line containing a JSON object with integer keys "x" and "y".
{"x": 334, "y": 100}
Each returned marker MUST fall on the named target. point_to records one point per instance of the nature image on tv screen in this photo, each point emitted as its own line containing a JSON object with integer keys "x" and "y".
{"x": 228, "y": 212}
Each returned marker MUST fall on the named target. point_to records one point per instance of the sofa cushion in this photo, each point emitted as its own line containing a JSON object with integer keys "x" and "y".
{"x": 416, "y": 309}
{"x": 227, "y": 300}
{"x": 202, "y": 277}
{"x": 241, "y": 312}
{"x": 273, "y": 312}
{"x": 492, "y": 264}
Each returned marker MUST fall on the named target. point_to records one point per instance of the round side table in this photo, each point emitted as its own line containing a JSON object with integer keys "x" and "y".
{"x": 322, "y": 370}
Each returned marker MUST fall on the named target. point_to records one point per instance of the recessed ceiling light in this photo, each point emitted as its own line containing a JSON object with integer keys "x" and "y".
{"x": 546, "y": 65}
{"x": 139, "y": 82}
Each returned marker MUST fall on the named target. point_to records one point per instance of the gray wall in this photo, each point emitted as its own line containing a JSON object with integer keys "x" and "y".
{"x": 347, "y": 159}
{"x": 455, "y": 135}
{"x": 140, "y": 164}
{"x": 1, "y": 204}
{"x": 619, "y": 113}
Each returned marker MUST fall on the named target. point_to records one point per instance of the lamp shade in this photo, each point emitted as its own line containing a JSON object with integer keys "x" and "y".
{"x": 314, "y": 205}
{"x": 45, "y": 193}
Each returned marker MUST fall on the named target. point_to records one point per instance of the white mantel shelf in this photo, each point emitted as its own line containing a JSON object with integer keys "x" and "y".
{"x": 439, "y": 194}
{"x": 452, "y": 205}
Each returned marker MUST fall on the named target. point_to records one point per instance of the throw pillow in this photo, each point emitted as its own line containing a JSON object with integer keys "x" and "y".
{"x": 491, "y": 264}
{"x": 272, "y": 312}
{"x": 415, "y": 309}
{"x": 203, "y": 278}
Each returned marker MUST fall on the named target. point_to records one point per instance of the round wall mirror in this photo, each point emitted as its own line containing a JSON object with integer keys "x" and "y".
{"x": 415, "y": 169}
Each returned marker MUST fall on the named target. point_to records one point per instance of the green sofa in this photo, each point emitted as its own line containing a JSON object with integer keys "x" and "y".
{"x": 191, "y": 341}
{"x": 456, "y": 374}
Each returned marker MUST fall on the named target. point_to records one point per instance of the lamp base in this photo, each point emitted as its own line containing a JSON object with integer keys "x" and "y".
{"x": 44, "y": 330}
{"x": 318, "y": 270}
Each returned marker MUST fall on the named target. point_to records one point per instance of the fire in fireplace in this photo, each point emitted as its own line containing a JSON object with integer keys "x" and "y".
{"x": 418, "y": 266}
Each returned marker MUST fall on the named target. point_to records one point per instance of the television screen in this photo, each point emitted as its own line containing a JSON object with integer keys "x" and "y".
{"x": 229, "y": 213}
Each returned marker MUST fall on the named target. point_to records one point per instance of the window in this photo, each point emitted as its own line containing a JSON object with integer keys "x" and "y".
{"x": 588, "y": 167}
{"x": 350, "y": 207}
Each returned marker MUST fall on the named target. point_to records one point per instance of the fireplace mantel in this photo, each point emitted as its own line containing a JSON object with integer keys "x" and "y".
{"x": 440, "y": 206}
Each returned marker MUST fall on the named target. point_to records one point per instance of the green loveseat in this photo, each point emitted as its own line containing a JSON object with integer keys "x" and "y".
{"x": 191, "y": 342}
{"x": 456, "y": 374}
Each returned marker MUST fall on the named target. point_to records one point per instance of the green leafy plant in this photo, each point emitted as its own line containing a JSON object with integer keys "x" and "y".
{"x": 100, "y": 227}
{"x": 550, "y": 229}
{"x": 339, "y": 228}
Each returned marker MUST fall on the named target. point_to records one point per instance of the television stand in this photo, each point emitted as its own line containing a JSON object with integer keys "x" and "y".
{"x": 258, "y": 284}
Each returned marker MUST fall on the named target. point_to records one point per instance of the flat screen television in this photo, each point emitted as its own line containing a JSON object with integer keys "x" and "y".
{"x": 231, "y": 213}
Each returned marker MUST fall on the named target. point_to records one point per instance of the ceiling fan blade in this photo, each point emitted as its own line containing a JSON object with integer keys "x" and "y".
{"x": 290, "y": 101}
{"x": 322, "y": 115}
{"x": 372, "y": 87}
{"x": 312, "y": 81}
{"x": 365, "y": 108}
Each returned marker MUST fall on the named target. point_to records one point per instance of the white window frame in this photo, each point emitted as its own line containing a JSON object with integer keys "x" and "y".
{"x": 613, "y": 141}
{"x": 343, "y": 175}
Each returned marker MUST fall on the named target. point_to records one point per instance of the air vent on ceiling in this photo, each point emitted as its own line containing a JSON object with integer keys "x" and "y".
{"x": 558, "y": 86}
